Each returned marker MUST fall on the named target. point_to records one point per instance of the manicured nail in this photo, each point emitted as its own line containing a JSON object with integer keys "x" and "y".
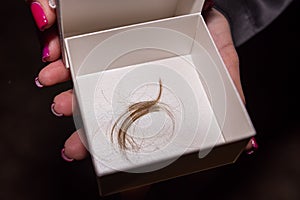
{"x": 39, "y": 15}
{"x": 54, "y": 112}
{"x": 46, "y": 53}
{"x": 66, "y": 158}
{"x": 52, "y": 4}
{"x": 38, "y": 83}
{"x": 254, "y": 146}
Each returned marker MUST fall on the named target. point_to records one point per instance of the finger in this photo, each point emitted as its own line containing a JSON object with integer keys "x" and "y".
{"x": 221, "y": 34}
{"x": 62, "y": 104}
{"x": 252, "y": 146}
{"x": 74, "y": 148}
{"x": 54, "y": 73}
{"x": 43, "y": 15}
{"x": 231, "y": 60}
{"x": 51, "y": 48}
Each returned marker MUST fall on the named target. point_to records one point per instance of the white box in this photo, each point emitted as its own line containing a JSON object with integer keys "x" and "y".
{"x": 117, "y": 51}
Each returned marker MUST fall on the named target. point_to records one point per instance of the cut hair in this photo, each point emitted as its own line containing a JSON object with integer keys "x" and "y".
{"x": 133, "y": 113}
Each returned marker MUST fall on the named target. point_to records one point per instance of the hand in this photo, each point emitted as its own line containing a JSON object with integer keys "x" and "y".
{"x": 220, "y": 31}
{"x": 55, "y": 72}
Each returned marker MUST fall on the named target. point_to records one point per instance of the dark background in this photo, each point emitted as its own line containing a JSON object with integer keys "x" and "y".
{"x": 31, "y": 137}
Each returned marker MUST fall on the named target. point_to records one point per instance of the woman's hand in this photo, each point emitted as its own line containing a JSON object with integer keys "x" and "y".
{"x": 220, "y": 31}
{"x": 55, "y": 72}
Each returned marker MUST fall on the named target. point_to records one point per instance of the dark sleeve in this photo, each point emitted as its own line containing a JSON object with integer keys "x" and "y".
{"x": 248, "y": 17}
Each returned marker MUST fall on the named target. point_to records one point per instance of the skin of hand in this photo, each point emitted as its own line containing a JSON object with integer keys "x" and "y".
{"x": 55, "y": 72}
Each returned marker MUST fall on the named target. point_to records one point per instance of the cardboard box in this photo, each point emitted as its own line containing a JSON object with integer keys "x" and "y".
{"x": 119, "y": 52}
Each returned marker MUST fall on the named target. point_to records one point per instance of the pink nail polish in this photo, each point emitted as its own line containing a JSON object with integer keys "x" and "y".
{"x": 54, "y": 112}
{"x": 66, "y": 158}
{"x": 254, "y": 146}
{"x": 46, "y": 53}
{"x": 38, "y": 83}
{"x": 39, "y": 15}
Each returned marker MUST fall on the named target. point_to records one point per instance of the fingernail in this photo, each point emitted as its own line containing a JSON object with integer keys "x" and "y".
{"x": 46, "y": 53}
{"x": 38, "y": 83}
{"x": 254, "y": 146}
{"x": 52, "y": 4}
{"x": 54, "y": 112}
{"x": 39, "y": 15}
{"x": 66, "y": 158}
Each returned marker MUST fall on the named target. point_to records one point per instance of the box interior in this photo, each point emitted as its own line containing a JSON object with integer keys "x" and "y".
{"x": 178, "y": 45}
{"x": 117, "y": 52}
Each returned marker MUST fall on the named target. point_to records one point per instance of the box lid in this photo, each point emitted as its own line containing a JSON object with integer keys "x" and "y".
{"x": 78, "y": 17}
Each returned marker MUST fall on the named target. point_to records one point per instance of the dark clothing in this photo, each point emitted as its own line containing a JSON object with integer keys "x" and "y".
{"x": 248, "y": 17}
